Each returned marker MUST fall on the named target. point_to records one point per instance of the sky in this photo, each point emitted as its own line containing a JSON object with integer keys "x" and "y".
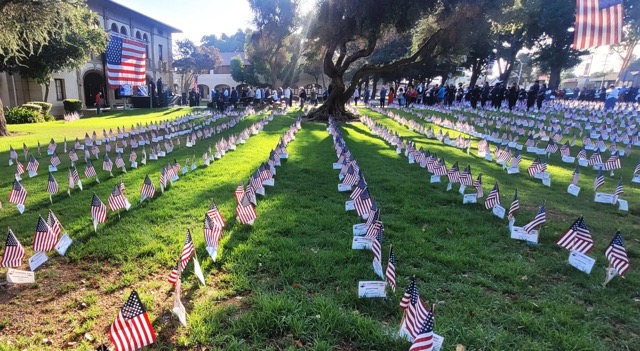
{"x": 197, "y": 18}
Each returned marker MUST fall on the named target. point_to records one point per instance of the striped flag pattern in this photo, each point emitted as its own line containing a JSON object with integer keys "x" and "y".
{"x": 577, "y": 237}
{"x": 45, "y": 239}
{"x": 132, "y": 329}
{"x": 598, "y": 22}
{"x": 617, "y": 254}
{"x": 13, "y": 252}
{"x": 539, "y": 219}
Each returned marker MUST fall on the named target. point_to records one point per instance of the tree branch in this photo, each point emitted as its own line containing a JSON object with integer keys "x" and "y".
{"x": 371, "y": 45}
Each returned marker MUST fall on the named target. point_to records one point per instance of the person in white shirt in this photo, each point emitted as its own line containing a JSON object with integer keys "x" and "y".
{"x": 612, "y": 97}
{"x": 287, "y": 96}
{"x": 356, "y": 96}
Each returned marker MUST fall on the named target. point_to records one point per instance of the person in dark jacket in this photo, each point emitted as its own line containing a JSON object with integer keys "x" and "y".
{"x": 532, "y": 94}
{"x": 512, "y": 96}
{"x": 475, "y": 96}
{"x": 485, "y": 94}
{"x": 541, "y": 95}
{"x": 233, "y": 99}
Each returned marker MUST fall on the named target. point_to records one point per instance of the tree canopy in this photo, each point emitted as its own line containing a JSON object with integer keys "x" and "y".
{"x": 191, "y": 60}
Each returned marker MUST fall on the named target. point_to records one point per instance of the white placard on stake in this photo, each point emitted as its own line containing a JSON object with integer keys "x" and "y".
{"x": 63, "y": 244}
{"x": 370, "y": 289}
{"x": 15, "y": 276}
{"x": 581, "y": 261}
{"x": 573, "y": 190}
{"x": 498, "y": 211}
{"x": 37, "y": 260}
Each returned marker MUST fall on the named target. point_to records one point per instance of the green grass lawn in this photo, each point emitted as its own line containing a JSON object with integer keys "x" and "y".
{"x": 290, "y": 281}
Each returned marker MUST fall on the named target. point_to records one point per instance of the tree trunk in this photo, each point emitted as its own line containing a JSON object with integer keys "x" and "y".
{"x": 46, "y": 92}
{"x": 475, "y": 73}
{"x": 3, "y": 122}
{"x": 374, "y": 89}
{"x": 554, "y": 78}
{"x": 334, "y": 106}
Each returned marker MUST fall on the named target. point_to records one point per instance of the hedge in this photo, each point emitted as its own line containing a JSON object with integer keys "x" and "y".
{"x": 72, "y": 105}
{"x": 19, "y": 115}
{"x": 46, "y": 107}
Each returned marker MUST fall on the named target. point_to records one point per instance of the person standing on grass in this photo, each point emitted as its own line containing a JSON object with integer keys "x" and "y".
{"x": 612, "y": 96}
{"x": 303, "y": 98}
{"x": 383, "y": 95}
{"x": 98, "y": 102}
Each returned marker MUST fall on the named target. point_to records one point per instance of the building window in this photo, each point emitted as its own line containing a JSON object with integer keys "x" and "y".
{"x": 60, "y": 93}
{"x": 146, "y": 48}
{"x": 160, "y": 52}
{"x": 114, "y": 27}
{"x": 123, "y": 30}
{"x": 138, "y": 36}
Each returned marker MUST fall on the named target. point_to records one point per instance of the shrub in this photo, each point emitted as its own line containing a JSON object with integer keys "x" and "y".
{"x": 72, "y": 105}
{"x": 18, "y": 115}
{"x": 49, "y": 118}
{"x": 32, "y": 107}
{"x": 46, "y": 107}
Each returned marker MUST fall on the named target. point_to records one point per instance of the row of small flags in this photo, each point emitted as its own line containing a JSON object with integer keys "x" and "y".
{"x": 615, "y": 252}
{"x": 538, "y": 167}
{"x": 417, "y": 324}
{"x": 98, "y": 210}
{"x": 214, "y": 222}
{"x": 132, "y": 328}
{"x": 18, "y": 193}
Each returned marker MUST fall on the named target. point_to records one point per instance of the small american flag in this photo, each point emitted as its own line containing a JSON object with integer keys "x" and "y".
{"x": 116, "y": 199}
{"x": 576, "y": 175}
{"x": 54, "y": 223}
{"x": 89, "y": 170}
{"x": 564, "y": 150}
{"x": 119, "y": 161}
{"x": 132, "y": 329}
{"x": 454, "y": 174}
{"x": 599, "y": 181}
{"x": 390, "y": 274}
{"x": 52, "y": 145}
{"x": 415, "y": 312}
{"x": 493, "y": 198}
{"x": 187, "y": 251}
{"x": 19, "y": 168}
{"x": 515, "y": 205}
{"x": 55, "y": 160}
{"x": 147, "y": 190}
{"x": 18, "y": 194}
{"x": 595, "y": 158}
{"x": 530, "y": 141}
{"x": 215, "y": 215}
{"x": 478, "y": 185}
{"x": 619, "y": 189}
{"x": 535, "y": 167}
{"x": 45, "y": 239}
{"x": 212, "y": 231}
{"x": 582, "y": 154}
{"x": 174, "y": 275}
{"x": 363, "y": 203}
{"x": 73, "y": 156}
{"x": 12, "y": 153}
{"x": 245, "y": 211}
{"x": 163, "y": 178}
{"x": 577, "y": 237}
{"x": 360, "y": 187}
{"x": 424, "y": 340}
{"x": 13, "y": 252}
{"x": 539, "y": 219}
{"x": 466, "y": 178}
{"x": 33, "y": 164}
{"x": 617, "y": 255}
{"x": 613, "y": 163}
{"x": 517, "y": 158}
{"x": 52, "y": 185}
{"x": 107, "y": 165}
{"x": 98, "y": 210}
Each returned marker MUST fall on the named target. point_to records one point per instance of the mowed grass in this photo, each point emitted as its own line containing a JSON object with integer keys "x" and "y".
{"x": 290, "y": 281}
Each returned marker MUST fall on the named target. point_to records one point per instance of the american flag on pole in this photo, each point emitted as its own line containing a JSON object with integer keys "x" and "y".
{"x": 89, "y": 170}
{"x": 98, "y": 210}
{"x": 245, "y": 211}
{"x": 478, "y": 185}
{"x": 536, "y": 167}
{"x": 12, "y": 153}
{"x": 215, "y": 215}
{"x": 126, "y": 62}
{"x": 595, "y": 158}
{"x": 617, "y": 255}
{"x": 515, "y": 205}
{"x": 598, "y": 22}
{"x": 415, "y": 312}
{"x": 54, "y": 223}
{"x": 19, "y": 168}
{"x": 116, "y": 199}
{"x": 576, "y": 175}
{"x": 18, "y": 194}
{"x": 619, "y": 189}
{"x": 390, "y": 274}
{"x": 187, "y": 251}
{"x": 107, "y": 165}
{"x": 539, "y": 219}
{"x": 52, "y": 185}
{"x": 599, "y": 181}
{"x": 577, "y": 237}
{"x": 466, "y": 178}
{"x": 132, "y": 329}
{"x": 33, "y": 164}
{"x": 13, "y": 252}
{"x": 174, "y": 275}
{"x": 147, "y": 190}
{"x": 55, "y": 160}
{"x": 612, "y": 163}
{"x": 363, "y": 203}
{"x": 493, "y": 198}
{"x": 424, "y": 340}
{"x": 212, "y": 231}
{"x": 45, "y": 239}
{"x": 376, "y": 248}
{"x": 552, "y": 147}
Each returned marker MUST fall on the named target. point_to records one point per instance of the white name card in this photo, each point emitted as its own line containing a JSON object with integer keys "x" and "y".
{"x": 461, "y": 190}
{"x": 519, "y": 147}
{"x": 361, "y": 243}
{"x": 53, "y": 168}
{"x": 604, "y": 198}
{"x": 349, "y": 205}
{"x": 37, "y": 260}
{"x": 344, "y": 187}
{"x": 269, "y": 182}
{"x": 435, "y": 179}
{"x": 498, "y": 211}
{"x": 513, "y": 170}
{"x": 532, "y": 149}
{"x": 284, "y": 155}
{"x": 63, "y": 244}
{"x": 636, "y": 178}
{"x": 583, "y": 162}
{"x": 449, "y": 186}
{"x": 360, "y": 229}
{"x": 371, "y": 289}
{"x": 470, "y": 199}
{"x": 518, "y": 233}
{"x": 573, "y": 190}
{"x": 623, "y": 205}
{"x": 32, "y": 174}
{"x": 162, "y": 154}
{"x": 568, "y": 159}
{"x": 438, "y": 341}
{"x": 15, "y": 276}
{"x": 213, "y": 252}
{"x": 581, "y": 261}
{"x": 546, "y": 181}
{"x": 488, "y": 157}
{"x": 337, "y": 166}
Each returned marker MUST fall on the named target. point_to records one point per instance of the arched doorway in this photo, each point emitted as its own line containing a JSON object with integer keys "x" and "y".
{"x": 93, "y": 83}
